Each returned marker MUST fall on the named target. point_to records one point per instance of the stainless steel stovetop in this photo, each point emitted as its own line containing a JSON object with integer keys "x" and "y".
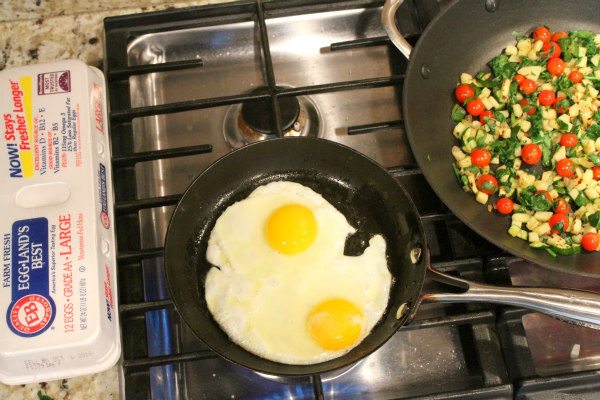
{"x": 315, "y": 49}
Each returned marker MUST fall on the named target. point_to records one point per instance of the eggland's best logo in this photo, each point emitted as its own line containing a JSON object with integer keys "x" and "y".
{"x": 30, "y": 314}
{"x": 31, "y": 310}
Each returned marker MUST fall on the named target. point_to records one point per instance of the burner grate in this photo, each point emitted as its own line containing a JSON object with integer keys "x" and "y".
{"x": 497, "y": 366}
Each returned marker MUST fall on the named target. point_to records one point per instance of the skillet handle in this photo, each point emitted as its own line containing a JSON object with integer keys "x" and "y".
{"x": 574, "y": 306}
{"x": 388, "y": 19}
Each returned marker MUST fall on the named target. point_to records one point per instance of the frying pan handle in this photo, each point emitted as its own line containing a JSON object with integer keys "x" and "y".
{"x": 388, "y": 19}
{"x": 574, "y": 306}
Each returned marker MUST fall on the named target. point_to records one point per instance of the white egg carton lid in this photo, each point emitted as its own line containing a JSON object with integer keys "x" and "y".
{"x": 59, "y": 292}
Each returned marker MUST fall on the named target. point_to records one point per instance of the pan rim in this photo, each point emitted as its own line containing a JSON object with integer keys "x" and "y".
{"x": 318, "y": 368}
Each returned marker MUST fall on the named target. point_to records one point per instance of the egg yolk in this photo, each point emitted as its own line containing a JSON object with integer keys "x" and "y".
{"x": 335, "y": 324}
{"x": 291, "y": 229}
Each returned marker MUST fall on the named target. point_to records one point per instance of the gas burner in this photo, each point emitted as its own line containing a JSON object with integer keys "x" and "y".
{"x": 326, "y": 377}
{"x": 252, "y": 121}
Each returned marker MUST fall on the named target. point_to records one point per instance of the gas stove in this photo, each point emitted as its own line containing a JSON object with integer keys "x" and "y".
{"x": 188, "y": 86}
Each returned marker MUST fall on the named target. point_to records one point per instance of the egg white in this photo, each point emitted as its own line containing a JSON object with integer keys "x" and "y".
{"x": 262, "y": 298}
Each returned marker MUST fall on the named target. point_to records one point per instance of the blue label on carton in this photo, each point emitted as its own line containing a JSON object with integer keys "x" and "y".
{"x": 31, "y": 310}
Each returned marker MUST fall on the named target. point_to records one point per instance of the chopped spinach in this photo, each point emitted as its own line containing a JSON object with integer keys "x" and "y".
{"x": 473, "y": 169}
{"x": 562, "y": 83}
{"x": 505, "y": 150}
{"x": 503, "y": 172}
{"x": 593, "y": 132}
{"x": 581, "y": 200}
{"x": 458, "y": 113}
{"x": 594, "y": 220}
{"x": 498, "y": 116}
{"x": 561, "y": 190}
{"x": 502, "y": 67}
{"x": 564, "y": 104}
{"x": 456, "y": 173}
{"x": 532, "y": 201}
{"x": 480, "y": 141}
{"x": 562, "y": 125}
{"x": 546, "y": 76}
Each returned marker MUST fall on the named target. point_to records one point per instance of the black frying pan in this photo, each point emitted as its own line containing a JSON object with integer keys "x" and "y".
{"x": 464, "y": 37}
{"x": 372, "y": 202}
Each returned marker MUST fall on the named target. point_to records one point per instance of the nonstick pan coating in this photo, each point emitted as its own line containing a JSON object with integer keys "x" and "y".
{"x": 366, "y": 194}
{"x": 465, "y": 36}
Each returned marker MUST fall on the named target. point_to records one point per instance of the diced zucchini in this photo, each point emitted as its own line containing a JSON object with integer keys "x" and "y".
{"x": 485, "y": 93}
{"x": 466, "y": 78}
{"x": 567, "y": 251}
{"x": 543, "y": 229}
{"x": 567, "y": 121}
{"x": 575, "y": 227}
{"x": 525, "y": 125}
{"x": 515, "y": 231}
{"x": 465, "y": 162}
{"x": 591, "y": 193}
{"x": 481, "y": 198}
{"x": 510, "y": 50}
{"x": 543, "y": 216}
{"x": 457, "y": 153}
{"x": 537, "y": 245}
{"x": 533, "y": 223}
{"x": 531, "y": 72}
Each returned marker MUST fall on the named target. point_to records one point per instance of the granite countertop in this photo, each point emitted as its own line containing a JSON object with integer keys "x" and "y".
{"x": 38, "y": 31}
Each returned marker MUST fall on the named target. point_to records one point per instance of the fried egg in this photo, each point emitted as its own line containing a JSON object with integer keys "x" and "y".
{"x": 281, "y": 286}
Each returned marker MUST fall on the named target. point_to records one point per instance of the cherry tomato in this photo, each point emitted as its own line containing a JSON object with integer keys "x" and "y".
{"x": 576, "y": 76}
{"x": 568, "y": 140}
{"x": 528, "y": 108}
{"x": 463, "y": 92}
{"x": 596, "y": 171}
{"x": 561, "y": 108}
{"x": 590, "y": 241}
{"x": 475, "y": 107}
{"x": 485, "y": 115}
{"x": 565, "y": 168}
{"x": 546, "y": 195}
{"x": 542, "y": 33}
{"x": 552, "y": 49}
{"x": 557, "y": 219}
{"x": 487, "y": 184}
{"x": 527, "y": 86}
{"x": 481, "y": 157}
{"x": 558, "y": 35}
{"x": 519, "y": 78}
{"x": 505, "y": 205}
{"x": 546, "y": 97}
{"x": 561, "y": 206}
{"x": 556, "y": 66}
{"x": 531, "y": 154}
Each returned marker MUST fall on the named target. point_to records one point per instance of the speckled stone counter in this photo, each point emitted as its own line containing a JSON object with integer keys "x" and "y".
{"x": 38, "y": 31}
